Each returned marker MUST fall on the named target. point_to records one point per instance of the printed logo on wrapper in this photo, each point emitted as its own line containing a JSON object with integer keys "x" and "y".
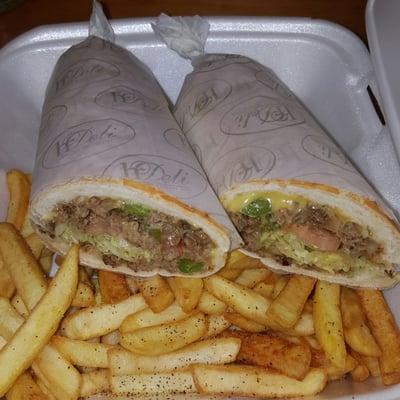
{"x": 241, "y": 164}
{"x": 85, "y": 140}
{"x": 323, "y": 149}
{"x": 259, "y": 114}
{"x": 124, "y": 98}
{"x": 271, "y": 81}
{"x": 176, "y": 139}
{"x": 200, "y": 100}
{"x": 176, "y": 178}
{"x": 51, "y": 119}
{"x": 214, "y": 62}
{"x": 84, "y": 73}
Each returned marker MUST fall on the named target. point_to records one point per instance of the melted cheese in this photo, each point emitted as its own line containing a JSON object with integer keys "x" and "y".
{"x": 278, "y": 200}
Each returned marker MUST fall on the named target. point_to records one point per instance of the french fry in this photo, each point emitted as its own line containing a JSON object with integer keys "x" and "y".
{"x": 113, "y": 287}
{"x": 209, "y": 304}
{"x": 242, "y": 300}
{"x": 279, "y": 285}
{"x": 372, "y": 364}
{"x": 147, "y": 317}
{"x": 187, "y": 291}
{"x": 94, "y": 382}
{"x": 266, "y": 289}
{"x": 287, "y": 307}
{"x": 84, "y": 354}
{"x": 84, "y": 296}
{"x": 162, "y": 339}
{"x": 215, "y": 325}
{"x": 385, "y": 331}
{"x": 7, "y": 287}
{"x": 153, "y": 384}
{"x": 19, "y": 188}
{"x": 22, "y": 266}
{"x": 44, "y": 388}
{"x": 156, "y": 291}
{"x": 213, "y": 351}
{"x": 19, "y": 305}
{"x": 236, "y": 263}
{"x": 303, "y": 327}
{"x": 249, "y": 381}
{"x": 36, "y": 331}
{"x": 111, "y": 338}
{"x": 269, "y": 351}
{"x": 334, "y": 373}
{"x": 3, "y": 342}
{"x": 244, "y": 323}
{"x": 356, "y": 332}
{"x": 361, "y": 372}
{"x": 35, "y": 244}
{"x": 46, "y": 262}
{"x": 97, "y": 321}
{"x": 251, "y": 277}
{"x": 26, "y": 228}
{"x": 57, "y": 374}
{"x": 328, "y": 322}
{"x": 25, "y": 388}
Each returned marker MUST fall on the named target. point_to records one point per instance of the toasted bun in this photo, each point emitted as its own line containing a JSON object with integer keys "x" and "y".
{"x": 44, "y": 202}
{"x": 363, "y": 211}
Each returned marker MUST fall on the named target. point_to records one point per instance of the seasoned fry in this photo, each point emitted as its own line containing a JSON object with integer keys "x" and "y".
{"x": 7, "y": 287}
{"x": 287, "y": 307}
{"x": 19, "y": 305}
{"x": 236, "y": 263}
{"x": 113, "y": 287}
{"x": 328, "y": 322}
{"x": 94, "y": 382}
{"x": 84, "y": 296}
{"x": 242, "y": 300}
{"x": 213, "y": 351}
{"x": 147, "y": 317}
{"x": 209, "y": 304}
{"x": 84, "y": 354}
{"x": 152, "y": 384}
{"x": 97, "y": 321}
{"x": 356, "y": 332}
{"x": 187, "y": 291}
{"x": 132, "y": 285}
{"x": 10, "y": 320}
{"x": 279, "y": 285}
{"x": 156, "y": 291}
{"x": 249, "y": 381}
{"x": 44, "y": 388}
{"x": 266, "y": 289}
{"x": 385, "y": 331}
{"x": 26, "y": 228}
{"x": 361, "y": 372}
{"x": 19, "y": 188}
{"x": 215, "y": 325}
{"x": 57, "y": 373}
{"x": 274, "y": 352}
{"x": 3, "y": 342}
{"x": 111, "y": 338}
{"x": 372, "y": 364}
{"x": 244, "y": 323}
{"x": 22, "y": 266}
{"x": 35, "y": 244}
{"x": 162, "y": 339}
{"x": 25, "y": 388}
{"x": 36, "y": 331}
{"x": 251, "y": 277}
{"x": 46, "y": 262}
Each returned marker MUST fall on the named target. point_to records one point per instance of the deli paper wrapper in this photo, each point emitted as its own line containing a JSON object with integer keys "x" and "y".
{"x": 243, "y": 123}
{"x": 104, "y": 115}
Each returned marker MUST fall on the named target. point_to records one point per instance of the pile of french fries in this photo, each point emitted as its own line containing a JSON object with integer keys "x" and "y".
{"x": 244, "y": 331}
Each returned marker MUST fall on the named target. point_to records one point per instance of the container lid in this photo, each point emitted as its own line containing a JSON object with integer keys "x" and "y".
{"x": 383, "y": 31}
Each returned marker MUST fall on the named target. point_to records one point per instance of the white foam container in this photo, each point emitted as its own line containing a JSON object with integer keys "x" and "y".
{"x": 325, "y": 65}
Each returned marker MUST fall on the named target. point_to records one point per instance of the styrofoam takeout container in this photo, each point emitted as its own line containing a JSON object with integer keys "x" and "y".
{"x": 325, "y": 65}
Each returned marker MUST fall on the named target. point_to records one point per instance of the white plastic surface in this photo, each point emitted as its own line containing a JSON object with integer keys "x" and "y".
{"x": 326, "y": 66}
{"x": 383, "y": 29}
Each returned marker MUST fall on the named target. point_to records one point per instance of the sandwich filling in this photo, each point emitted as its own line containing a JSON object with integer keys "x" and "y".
{"x": 132, "y": 235}
{"x": 294, "y": 230}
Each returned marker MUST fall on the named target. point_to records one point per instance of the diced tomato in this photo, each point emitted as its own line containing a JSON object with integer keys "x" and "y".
{"x": 318, "y": 237}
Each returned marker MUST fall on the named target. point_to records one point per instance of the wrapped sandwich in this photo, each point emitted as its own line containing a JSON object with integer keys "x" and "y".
{"x": 295, "y": 198}
{"x": 115, "y": 173}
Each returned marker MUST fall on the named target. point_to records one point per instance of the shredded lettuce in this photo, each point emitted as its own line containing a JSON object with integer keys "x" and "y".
{"x": 136, "y": 209}
{"x": 104, "y": 243}
{"x": 331, "y": 261}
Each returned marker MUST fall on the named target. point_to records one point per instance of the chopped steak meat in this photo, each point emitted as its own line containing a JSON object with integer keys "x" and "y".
{"x": 167, "y": 238}
{"x": 312, "y": 224}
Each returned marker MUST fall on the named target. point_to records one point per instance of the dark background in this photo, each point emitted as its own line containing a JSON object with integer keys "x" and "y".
{"x": 32, "y": 13}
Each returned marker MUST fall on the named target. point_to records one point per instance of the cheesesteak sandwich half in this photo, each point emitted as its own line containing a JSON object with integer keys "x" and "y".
{"x": 316, "y": 230}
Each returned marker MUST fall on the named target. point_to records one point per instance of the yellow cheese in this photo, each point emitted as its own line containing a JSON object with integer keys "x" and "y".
{"x": 278, "y": 200}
